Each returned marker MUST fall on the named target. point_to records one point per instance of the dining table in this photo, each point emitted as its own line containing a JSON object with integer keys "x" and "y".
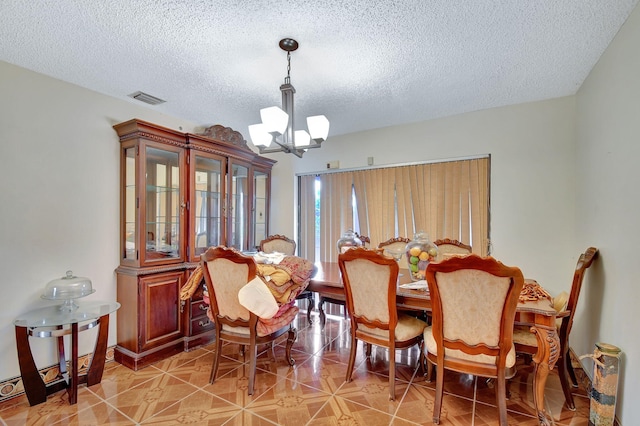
{"x": 538, "y": 314}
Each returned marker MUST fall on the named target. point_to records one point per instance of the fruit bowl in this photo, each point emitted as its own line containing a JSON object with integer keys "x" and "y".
{"x": 420, "y": 251}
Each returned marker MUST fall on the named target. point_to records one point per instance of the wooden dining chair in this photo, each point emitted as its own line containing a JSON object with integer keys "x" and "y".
{"x": 473, "y": 302}
{"x": 283, "y": 244}
{"x": 278, "y": 243}
{"x": 334, "y": 299}
{"x": 398, "y": 244}
{"x": 526, "y": 342}
{"x": 448, "y": 246}
{"x": 226, "y": 271}
{"x": 366, "y": 241}
{"x": 370, "y": 280}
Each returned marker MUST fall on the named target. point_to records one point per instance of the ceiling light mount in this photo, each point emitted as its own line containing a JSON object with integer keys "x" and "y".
{"x": 288, "y": 44}
{"x": 275, "y": 133}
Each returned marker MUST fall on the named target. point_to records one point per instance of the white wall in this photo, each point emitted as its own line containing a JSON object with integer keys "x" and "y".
{"x": 608, "y": 206}
{"x": 59, "y": 196}
{"x": 532, "y": 176}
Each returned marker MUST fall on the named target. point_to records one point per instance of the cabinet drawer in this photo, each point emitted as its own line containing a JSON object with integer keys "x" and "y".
{"x": 198, "y": 309}
{"x": 200, "y": 325}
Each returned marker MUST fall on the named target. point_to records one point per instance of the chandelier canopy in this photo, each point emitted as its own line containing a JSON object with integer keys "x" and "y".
{"x": 276, "y": 132}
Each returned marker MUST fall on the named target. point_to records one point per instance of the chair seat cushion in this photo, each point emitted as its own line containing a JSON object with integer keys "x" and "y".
{"x": 522, "y": 335}
{"x": 268, "y": 326}
{"x": 430, "y": 344}
{"x": 283, "y": 319}
{"x": 407, "y": 328}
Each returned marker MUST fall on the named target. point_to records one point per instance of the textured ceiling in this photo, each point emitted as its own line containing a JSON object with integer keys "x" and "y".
{"x": 365, "y": 64}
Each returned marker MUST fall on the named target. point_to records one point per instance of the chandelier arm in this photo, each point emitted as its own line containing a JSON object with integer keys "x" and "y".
{"x": 283, "y": 148}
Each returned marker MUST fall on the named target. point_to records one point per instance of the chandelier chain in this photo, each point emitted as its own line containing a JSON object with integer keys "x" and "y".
{"x": 287, "y": 79}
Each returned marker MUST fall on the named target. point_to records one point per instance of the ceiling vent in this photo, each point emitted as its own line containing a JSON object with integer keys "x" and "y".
{"x": 146, "y": 98}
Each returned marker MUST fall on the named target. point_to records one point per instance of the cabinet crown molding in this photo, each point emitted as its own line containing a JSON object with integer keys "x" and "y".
{"x": 226, "y": 134}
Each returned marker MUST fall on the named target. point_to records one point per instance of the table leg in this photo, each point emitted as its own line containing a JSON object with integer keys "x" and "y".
{"x": 545, "y": 359}
{"x": 94, "y": 374}
{"x": 73, "y": 377}
{"x": 34, "y": 386}
{"x": 62, "y": 362}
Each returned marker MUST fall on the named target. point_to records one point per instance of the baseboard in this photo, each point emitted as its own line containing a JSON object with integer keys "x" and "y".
{"x": 11, "y": 388}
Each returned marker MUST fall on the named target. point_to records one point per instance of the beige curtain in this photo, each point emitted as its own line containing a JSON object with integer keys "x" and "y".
{"x": 376, "y": 203}
{"x": 446, "y": 200}
{"x": 336, "y": 211}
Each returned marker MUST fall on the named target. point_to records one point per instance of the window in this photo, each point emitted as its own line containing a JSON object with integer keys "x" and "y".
{"x": 447, "y": 199}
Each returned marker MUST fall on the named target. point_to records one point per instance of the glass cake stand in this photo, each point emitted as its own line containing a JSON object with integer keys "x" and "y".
{"x": 67, "y": 289}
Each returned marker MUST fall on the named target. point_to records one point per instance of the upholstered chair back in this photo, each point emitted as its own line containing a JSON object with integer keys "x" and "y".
{"x": 399, "y": 243}
{"x": 278, "y": 243}
{"x": 227, "y": 279}
{"x": 472, "y": 302}
{"x": 448, "y": 246}
{"x": 368, "y": 284}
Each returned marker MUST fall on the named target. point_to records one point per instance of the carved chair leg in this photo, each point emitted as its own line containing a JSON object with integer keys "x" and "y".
{"x": 570, "y": 370}
{"x": 291, "y": 338}
{"x": 323, "y": 317}
{"x": 392, "y": 373}
{"x": 563, "y": 364}
{"x": 309, "y": 306}
{"x": 253, "y": 349}
{"x": 491, "y": 384}
{"x": 430, "y": 370}
{"x": 422, "y": 359}
{"x": 216, "y": 360}
{"x": 437, "y": 405}
{"x": 501, "y": 399}
{"x": 273, "y": 351}
{"x": 352, "y": 357}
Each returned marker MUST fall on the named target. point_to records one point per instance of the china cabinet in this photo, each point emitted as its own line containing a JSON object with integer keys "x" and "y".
{"x": 180, "y": 194}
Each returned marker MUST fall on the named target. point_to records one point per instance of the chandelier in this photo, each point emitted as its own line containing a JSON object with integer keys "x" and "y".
{"x": 276, "y": 132}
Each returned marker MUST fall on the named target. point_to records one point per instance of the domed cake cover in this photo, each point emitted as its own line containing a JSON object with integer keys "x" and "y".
{"x": 68, "y": 287}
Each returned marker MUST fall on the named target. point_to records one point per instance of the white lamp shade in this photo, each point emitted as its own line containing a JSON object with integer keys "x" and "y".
{"x": 259, "y": 135}
{"x": 318, "y": 126}
{"x": 302, "y": 138}
{"x": 274, "y": 119}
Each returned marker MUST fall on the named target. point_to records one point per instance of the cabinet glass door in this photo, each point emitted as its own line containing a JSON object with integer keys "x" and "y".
{"x": 260, "y": 196}
{"x": 163, "y": 204}
{"x": 206, "y": 204}
{"x": 238, "y": 209}
{"x": 130, "y": 228}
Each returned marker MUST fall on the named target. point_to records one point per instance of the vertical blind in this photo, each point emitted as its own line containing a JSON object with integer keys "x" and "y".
{"x": 446, "y": 199}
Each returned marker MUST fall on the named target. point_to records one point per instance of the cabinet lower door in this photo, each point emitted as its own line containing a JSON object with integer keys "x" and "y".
{"x": 160, "y": 319}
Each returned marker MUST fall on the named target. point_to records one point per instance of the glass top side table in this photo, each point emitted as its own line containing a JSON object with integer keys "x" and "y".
{"x": 52, "y": 321}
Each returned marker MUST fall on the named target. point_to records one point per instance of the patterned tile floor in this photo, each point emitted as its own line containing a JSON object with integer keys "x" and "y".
{"x": 176, "y": 391}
